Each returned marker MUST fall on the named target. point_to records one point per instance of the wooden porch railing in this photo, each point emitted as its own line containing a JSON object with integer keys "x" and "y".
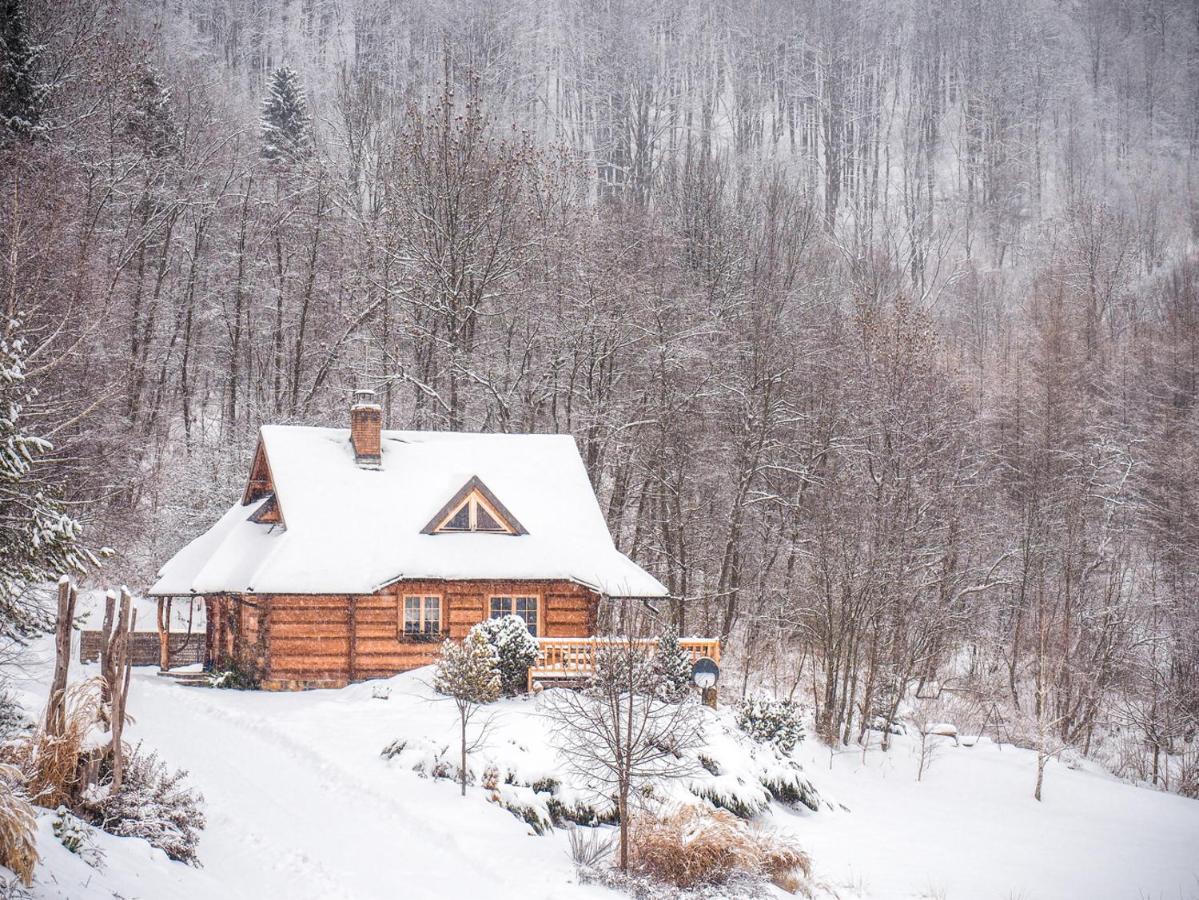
{"x": 575, "y": 657}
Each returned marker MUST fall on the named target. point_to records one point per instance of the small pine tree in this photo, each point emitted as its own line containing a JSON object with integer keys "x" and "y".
{"x": 285, "y": 120}
{"x": 516, "y": 648}
{"x": 20, "y": 94}
{"x": 673, "y": 663}
{"x": 38, "y": 540}
{"x": 469, "y": 674}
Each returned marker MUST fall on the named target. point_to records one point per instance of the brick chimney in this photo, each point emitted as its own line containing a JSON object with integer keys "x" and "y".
{"x": 366, "y": 430}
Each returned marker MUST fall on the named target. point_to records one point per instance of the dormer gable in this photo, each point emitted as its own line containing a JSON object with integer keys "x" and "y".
{"x": 474, "y": 508}
{"x": 261, "y": 484}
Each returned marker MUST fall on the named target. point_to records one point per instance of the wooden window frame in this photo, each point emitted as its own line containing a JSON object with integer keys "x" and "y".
{"x": 522, "y": 595}
{"x": 402, "y": 622}
{"x": 472, "y": 503}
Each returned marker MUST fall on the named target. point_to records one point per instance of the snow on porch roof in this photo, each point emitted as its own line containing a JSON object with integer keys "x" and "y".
{"x": 354, "y": 530}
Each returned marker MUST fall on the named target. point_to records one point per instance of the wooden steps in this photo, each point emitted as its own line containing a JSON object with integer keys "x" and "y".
{"x": 191, "y": 678}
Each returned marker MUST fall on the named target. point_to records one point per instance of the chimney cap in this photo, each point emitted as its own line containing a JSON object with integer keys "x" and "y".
{"x": 364, "y": 398}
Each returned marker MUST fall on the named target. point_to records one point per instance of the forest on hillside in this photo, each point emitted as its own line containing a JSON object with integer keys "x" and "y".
{"x": 876, "y": 321}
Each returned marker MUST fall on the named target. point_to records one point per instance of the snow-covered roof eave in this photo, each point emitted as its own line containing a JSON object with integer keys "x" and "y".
{"x": 327, "y": 549}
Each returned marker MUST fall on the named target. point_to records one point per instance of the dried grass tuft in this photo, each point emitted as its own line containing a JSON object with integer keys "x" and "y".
{"x": 693, "y": 846}
{"x": 52, "y": 765}
{"x": 18, "y": 826}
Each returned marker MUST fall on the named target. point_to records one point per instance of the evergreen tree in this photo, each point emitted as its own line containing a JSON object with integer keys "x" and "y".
{"x": 150, "y": 121}
{"x": 20, "y": 96}
{"x": 38, "y": 540}
{"x": 469, "y": 674}
{"x": 515, "y": 648}
{"x": 673, "y": 663}
{"x": 285, "y": 120}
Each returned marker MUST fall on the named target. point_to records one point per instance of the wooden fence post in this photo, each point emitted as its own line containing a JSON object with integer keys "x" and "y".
{"x": 106, "y": 654}
{"x": 120, "y": 686}
{"x": 56, "y": 708}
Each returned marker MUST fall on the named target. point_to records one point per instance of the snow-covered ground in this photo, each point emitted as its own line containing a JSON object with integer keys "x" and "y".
{"x": 301, "y": 804}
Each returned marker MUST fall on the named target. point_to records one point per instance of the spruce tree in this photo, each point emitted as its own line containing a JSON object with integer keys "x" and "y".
{"x": 285, "y": 121}
{"x": 673, "y": 664}
{"x": 20, "y": 95}
{"x": 469, "y": 674}
{"x": 38, "y": 540}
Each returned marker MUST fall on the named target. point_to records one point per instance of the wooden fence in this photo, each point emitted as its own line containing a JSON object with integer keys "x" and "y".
{"x": 143, "y": 648}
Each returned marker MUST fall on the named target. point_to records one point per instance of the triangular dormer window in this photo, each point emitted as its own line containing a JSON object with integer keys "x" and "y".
{"x": 474, "y": 508}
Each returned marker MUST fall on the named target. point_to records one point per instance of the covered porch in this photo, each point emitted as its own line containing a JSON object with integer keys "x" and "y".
{"x": 571, "y": 659}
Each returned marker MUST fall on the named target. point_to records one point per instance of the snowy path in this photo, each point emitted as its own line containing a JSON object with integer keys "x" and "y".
{"x": 301, "y": 805}
{"x": 287, "y": 819}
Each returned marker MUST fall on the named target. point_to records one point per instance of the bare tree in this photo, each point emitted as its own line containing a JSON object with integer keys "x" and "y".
{"x": 618, "y": 734}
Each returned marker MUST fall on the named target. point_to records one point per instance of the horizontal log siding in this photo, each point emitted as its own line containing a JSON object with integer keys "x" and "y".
{"x": 315, "y": 640}
{"x": 308, "y": 638}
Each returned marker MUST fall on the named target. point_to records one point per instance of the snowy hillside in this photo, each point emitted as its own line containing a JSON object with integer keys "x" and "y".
{"x": 302, "y": 804}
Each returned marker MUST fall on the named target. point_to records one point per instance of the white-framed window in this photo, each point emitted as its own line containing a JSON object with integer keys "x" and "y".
{"x": 525, "y": 606}
{"x": 421, "y": 614}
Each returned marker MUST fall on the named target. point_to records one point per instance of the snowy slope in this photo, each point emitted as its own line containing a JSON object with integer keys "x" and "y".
{"x": 301, "y": 805}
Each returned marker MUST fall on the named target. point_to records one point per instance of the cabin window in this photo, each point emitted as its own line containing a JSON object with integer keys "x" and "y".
{"x": 525, "y": 607}
{"x": 422, "y": 614}
{"x": 474, "y": 515}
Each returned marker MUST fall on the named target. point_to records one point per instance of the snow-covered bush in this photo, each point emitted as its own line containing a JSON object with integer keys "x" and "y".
{"x": 152, "y": 803}
{"x": 233, "y": 677}
{"x": 691, "y": 846}
{"x": 673, "y": 663}
{"x": 767, "y": 721}
{"x": 515, "y": 647}
{"x": 77, "y": 836}
{"x": 14, "y": 721}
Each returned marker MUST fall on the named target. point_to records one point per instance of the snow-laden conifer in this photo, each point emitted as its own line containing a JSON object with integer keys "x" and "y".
{"x": 286, "y": 125}
{"x": 20, "y": 92}
{"x": 674, "y": 664}
{"x": 38, "y": 540}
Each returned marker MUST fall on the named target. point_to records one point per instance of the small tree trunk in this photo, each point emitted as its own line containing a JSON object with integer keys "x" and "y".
{"x": 462, "y": 771}
{"x": 623, "y": 806}
{"x": 1042, "y": 758}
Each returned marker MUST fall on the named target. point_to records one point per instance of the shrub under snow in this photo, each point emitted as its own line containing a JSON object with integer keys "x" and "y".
{"x": 521, "y": 773}
{"x": 516, "y": 648}
{"x": 777, "y": 722}
{"x": 153, "y": 803}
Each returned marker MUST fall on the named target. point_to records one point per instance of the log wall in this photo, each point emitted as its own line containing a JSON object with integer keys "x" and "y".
{"x": 295, "y": 641}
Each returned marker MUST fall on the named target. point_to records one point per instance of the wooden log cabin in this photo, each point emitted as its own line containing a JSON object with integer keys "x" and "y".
{"x": 353, "y": 553}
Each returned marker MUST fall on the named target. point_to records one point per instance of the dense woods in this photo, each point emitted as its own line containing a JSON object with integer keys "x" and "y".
{"x": 877, "y": 323}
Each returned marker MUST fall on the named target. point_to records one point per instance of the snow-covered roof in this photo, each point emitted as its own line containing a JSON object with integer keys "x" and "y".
{"x": 354, "y": 530}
